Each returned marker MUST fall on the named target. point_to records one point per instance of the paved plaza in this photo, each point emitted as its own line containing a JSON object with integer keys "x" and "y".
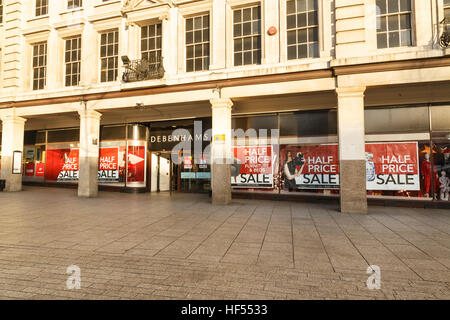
{"x": 179, "y": 246}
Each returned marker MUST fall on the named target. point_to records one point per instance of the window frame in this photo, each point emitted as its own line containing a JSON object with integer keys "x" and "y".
{"x": 317, "y": 26}
{"x": 38, "y": 67}
{"x": 71, "y": 4}
{"x": 79, "y": 37}
{"x": 114, "y": 31}
{"x": 399, "y": 31}
{"x": 140, "y": 41}
{"x": 251, "y": 35}
{"x": 185, "y": 44}
{"x": 43, "y": 4}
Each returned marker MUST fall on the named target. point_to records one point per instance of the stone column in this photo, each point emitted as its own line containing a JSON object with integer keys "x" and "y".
{"x": 352, "y": 149}
{"x": 12, "y": 140}
{"x": 89, "y": 153}
{"x": 221, "y": 155}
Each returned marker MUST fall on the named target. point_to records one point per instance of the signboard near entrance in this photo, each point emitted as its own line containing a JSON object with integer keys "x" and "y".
{"x": 253, "y": 167}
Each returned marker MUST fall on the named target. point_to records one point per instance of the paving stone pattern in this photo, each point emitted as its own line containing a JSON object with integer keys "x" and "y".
{"x": 179, "y": 246}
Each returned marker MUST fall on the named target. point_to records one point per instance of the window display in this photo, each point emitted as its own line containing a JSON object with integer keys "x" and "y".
{"x": 252, "y": 167}
{"x": 310, "y": 167}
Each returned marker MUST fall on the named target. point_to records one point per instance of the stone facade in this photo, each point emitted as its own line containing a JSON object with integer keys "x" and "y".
{"x": 347, "y": 57}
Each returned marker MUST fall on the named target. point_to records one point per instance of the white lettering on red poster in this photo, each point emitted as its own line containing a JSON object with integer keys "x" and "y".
{"x": 321, "y": 168}
{"x": 70, "y": 168}
{"x": 392, "y": 166}
{"x": 252, "y": 167}
{"x": 108, "y": 166}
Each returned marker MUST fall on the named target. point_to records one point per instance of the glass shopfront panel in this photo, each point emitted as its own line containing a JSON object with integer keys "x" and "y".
{"x": 407, "y": 158}
{"x": 62, "y": 162}
{"x": 440, "y": 124}
{"x": 255, "y": 151}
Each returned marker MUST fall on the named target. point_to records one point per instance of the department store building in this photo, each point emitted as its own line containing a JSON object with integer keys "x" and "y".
{"x": 349, "y": 99}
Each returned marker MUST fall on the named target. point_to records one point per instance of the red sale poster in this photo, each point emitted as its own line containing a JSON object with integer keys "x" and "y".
{"x": 62, "y": 165}
{"x": 392, "y": 166}
{"x": 108, "y": 166}
{"x": 136, "y": 164}
{"x": 40, "y": 169}
{"x": 311, "y": 167}
{"x": 29, "y": 169}
{"x": 252, "y": 167}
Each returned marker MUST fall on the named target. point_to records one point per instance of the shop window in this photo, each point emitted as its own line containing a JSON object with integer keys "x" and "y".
{"x": 69, "y": 135}
{"x": 41, "y": 7}
{"x": 197, "y": 43}
{"x": 440, "y": 118}
{"x": 112, "y": 163}
{"x": 247, "y": 35}
{"x": 73, "y": 61}
{"x": 109, "y": 56}
{"x": 40, "y": 137}
{"x": 151, "y": 36}
{"x": 308, "y": 123}
{"x": 29, "y": 137}
{"x": 266, "y": 122}
{"x": 394, "y": 23}
{"x": 396, "y": 119}
{"x": 441, "y": 160}
{"x": 39, "y": 66}
{"x": 302, "y": 29}
{"x": 112, "y": 133}
{"x": 62, "y": 162}
{"x": 399, "y": 169}
{"x": 309, "y": 168}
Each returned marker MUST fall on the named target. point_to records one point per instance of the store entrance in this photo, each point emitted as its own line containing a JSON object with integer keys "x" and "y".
{"x": 161, "y": 172}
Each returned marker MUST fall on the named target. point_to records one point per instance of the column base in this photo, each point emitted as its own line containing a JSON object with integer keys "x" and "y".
{"x": 88, "y": 180}
{"x": 221, "y": 184}
{"x": 353, "y": 186}
{"x": 13, "y": 182}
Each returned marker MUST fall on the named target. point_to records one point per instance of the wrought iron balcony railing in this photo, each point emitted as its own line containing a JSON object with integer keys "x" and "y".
{"x": 444, "y": 40}
{"x": 139, "y": 70}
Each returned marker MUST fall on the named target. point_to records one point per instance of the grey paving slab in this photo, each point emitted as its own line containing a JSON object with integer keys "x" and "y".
{"x": 179, "y": 246}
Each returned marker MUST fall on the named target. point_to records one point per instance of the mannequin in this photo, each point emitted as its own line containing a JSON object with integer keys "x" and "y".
{"x": 427, "y": 176}
{"x": 444, "y": 185}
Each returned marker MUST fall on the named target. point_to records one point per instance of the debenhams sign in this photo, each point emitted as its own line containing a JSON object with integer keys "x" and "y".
{"x": 166, "y": 140}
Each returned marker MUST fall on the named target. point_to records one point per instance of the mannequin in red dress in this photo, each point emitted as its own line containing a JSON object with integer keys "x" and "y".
{"x": 425, "y": 169}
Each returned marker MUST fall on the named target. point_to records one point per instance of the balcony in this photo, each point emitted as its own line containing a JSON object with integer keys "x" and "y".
{"x": 444, "y": 40}
{"x": 140, "y": 70}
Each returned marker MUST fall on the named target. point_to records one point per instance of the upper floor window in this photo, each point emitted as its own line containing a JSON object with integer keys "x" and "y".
{"x": 1, "y": 11}
{"x": 73, "y": 61}
{"x": 302, "y": 29}
{"x": 41, "y": 7}
{"x": 247, "y": 35}
{"x": 39, "y": 65}
{"x": 109, "y": 56}
{"x": 394, "y": 23}
{"x": 151, "y": 37}
{"x": 197, "y": 43}
{"x": 72, "y": 4}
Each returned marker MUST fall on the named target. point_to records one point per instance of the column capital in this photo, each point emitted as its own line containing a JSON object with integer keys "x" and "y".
{"x": 350, "y": 91}
{"x": 13, "y": 118}
{"x": 89, "y": 114}
{"x": 221, "y": 103}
